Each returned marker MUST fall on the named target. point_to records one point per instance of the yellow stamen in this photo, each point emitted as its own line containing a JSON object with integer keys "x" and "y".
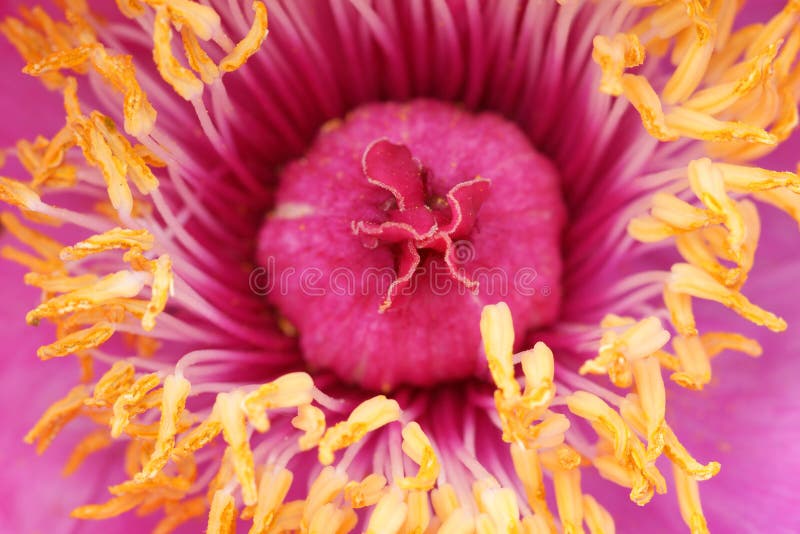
{"x": 695, "y": 369}
{"x": 173, "y": 401}
{"x": 323, "y": 490}
{"x": 311, "y": 420}
{"x": 389, "y": 514}
{"x": 161, "y": 289}
{"x": 716, "y": 342}
{"x": 689, "y": 502}
{"x": 85, "y": 339}
{"x": 569, "y": 499}
{"x": 365, "y": 493}
{"x": 111, "y": 508}
{"x": 644, "y": 98}
{"x": 650, "y": 386}
{"x": 501, "y": 505}
{"x": 57, "y": 415}
{"x": 692, "y": 281}
{"x": 116, "y": 238}
{"x": 366, "y": 417}
{"x": 234, "y": 430}
{"x": 592, "y": 408}
{"x": 444, "y": 501}
{"x": 288, "y": 391}
{"x": 180, "y": 78}
{"x": 251, "y": 42}
{"x": 122, "y": 284}
{"x": 614, "y": 56}
{"x": 272, "y": 490}
{"x": 418, "y": 516}
{"x": 177, "y": 514}
{"x": 20, "y": 195}
{"x": 529, "y": 470}
{"x": 598, "y": 519}
{"x": 417, "y": 446}
{"x": 132, "y": 402}
{"x": 689, "y": 73}
{"x": 497, "y": 331}
{"x": 198, "y": 58}
{"x": 222, "y": 514}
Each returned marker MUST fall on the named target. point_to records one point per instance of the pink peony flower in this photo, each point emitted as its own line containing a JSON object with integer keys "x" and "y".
{"x": 399, "y": 266}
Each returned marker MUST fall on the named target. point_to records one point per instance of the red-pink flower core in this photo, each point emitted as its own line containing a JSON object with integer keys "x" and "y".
{"x": 399, "y": 224}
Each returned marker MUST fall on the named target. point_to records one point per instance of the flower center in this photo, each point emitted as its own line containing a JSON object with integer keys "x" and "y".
{"x": 397, "y": 227}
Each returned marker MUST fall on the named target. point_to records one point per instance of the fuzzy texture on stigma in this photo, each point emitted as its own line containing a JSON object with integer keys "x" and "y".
{"x": 399, "y": 224}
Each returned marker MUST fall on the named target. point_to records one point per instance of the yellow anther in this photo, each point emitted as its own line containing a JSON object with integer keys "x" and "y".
{"x": 272, "y": 490}
{"x": 330, "y": 519}
{"x": 697, "y": 283}
{"x": 45, "y": 245}
{"x": 536, "y": 524}
{"x": 696, "y": 250}
{"x": 720, "y": 97}
{"x": 116, "y": 238}
{"x": 59, "y": 283}
{"x": 198, "y": 437}
{"x": 131, "y": 402}
{"x": 708, "y": 185}
{"x": 716, "y": 342}
{"x": 742, "y": 178}
{"x": 692, "y": 67}
{"x": 606, "y": 420}
{"x": 569, "y": 499}
{"x": 444, "y": 501}
{"x": 122, "y": 284}
{"x": 695, "y": 371}
{"x": 234, "y": 430}
{"x": 130, "y": 8}
{"x": 679, "y": 306}
{"x": 644, "y": 98}
{"x": 648, "y": 229}
{"x": 501, "y": 505}
{"x": 702, "y": 126}
{"x": 459, "y": 522}
{"x": 366, "y": 417}
{"x": 389, "y": 514}
{"x": 85, "y": 339}
{"x": 419, "y": 513}
{"x": 161, "y": 289}
{"x": 20, "y": 195}
{"x": 288, "y": 391}
{"x": 538, "y": 366}
{"x": 198, "y": 58}
{"x": 130, "y": 159}
{"x": 203, "y": 20}
{"x": 311, "y": 420}
{"x": 597, "y": 518}
{"x": 185, "y": 83}
{"x": 529, "y": 470}
{"x": 614, "y": 56}
{"x": 289, "y": 517}
{"x": 650, "y": 386}
{"x": 251, "y": 42}
{"x": 417, "y": 447}
{"x": 111, "y": 508}
{"x": 222, "y": 514}
{"x": 325, "y": 488}
{"x": 365, "y": 493}
{"x": 689, "y": 502}
{"x": 55, "y": 417}
{"x": 176, "y": 514}
{"x": 618, "y": 351}
{"x": 681, "y": 458}
{"x": 173, "y": 402}
{"x": 679, "y": 214}
{"x": 116, "y": 381}
{"x": 62, "y": 59}
{"x": 497, "y": 331}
